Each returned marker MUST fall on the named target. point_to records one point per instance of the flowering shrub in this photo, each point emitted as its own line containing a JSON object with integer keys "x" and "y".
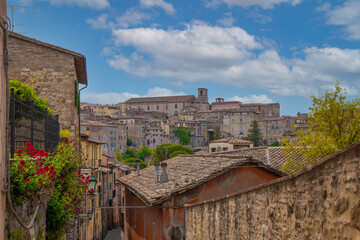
{"x": 30, "y": 172}
{"x": 70, "y": 187}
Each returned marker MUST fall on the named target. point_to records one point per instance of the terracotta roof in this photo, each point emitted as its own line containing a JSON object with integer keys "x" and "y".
{"x": 258, "y": 153}
{"x": 277, "y": 157}
{"x": 184, "y": 172}
{"x": 273, "y": 156}
{"x": 80, "y": 60}
{"x": 232, "y": 140}
{"x": 170, "y": 99}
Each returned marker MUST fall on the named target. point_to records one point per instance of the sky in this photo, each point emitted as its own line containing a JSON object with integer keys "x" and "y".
{"x": 252, "y": 51}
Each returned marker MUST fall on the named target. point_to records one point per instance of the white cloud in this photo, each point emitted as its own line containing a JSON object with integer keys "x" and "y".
{"x": 227, "y": 21}
{"x": 95, "y": 4}
{"x": 112, "y": 97}
{"x": 252, "y": 99}
{"x": 100, "y": 22}
{"x": 107, "y": 98}
{"x": 347, "y": 15}
{"x": 265, "y": 4}
{"x": 230, "y": 56}
{"x": 132, "y": 17}
{"x": 168, "y": 8}
{"x": 158, "y": 92}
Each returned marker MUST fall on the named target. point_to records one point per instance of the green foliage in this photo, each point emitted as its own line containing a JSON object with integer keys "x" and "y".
{"x": 118, "y": 156}
{"x": 176, "y": 153}
{"x": 17, "y": 235}
{"x": 25, "y": 93}
{"x": 275, "y": 144}
{"x": 334, "y": 123}
{"x": 254, "y": 134}
{"x": 144, "y": 152}
{"x": 130, "y": 153}
{"x": 70, "y": 188}
{"x": 217, "y": 134}
{"x": 132, "y": 161}
{"x": 183, "y": 133}
{"x": 128, "y": 141}
{"x": 163, "y": 151}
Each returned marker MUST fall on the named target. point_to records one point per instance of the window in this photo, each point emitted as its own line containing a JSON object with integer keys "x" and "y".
{"x": 148, "y": 108}
{"x": 269, "y": 132}
{"x": 248, "y": 119}
{"x": 241, "y": 127}
{"x": 240, "y": 119}
{"x": 232, "y": 120}
{"x": 175, "y": 106}
{"x": 157, "y": 107}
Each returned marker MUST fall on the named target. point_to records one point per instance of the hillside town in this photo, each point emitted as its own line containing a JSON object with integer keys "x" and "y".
{"x": 151, "y": 121}
{"x": 169, "y": 167}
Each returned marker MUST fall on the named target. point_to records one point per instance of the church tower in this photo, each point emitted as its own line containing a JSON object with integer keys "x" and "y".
{"x": 202, "y": 95}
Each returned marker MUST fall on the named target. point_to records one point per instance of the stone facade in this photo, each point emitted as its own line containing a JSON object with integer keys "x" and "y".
{"x": 54, "y": 72}
{"x": 171, "y": 105}
{"x": 321, "y": 202}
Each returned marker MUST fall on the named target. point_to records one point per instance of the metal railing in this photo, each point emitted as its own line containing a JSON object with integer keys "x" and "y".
{"x": 29, "y": 123}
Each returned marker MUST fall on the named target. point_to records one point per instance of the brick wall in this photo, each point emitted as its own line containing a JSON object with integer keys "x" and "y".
{"x": 55, "y": 72}
{"x": 320, "y": 203}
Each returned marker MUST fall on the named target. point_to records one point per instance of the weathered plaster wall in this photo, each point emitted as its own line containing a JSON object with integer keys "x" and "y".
{"x": 55, "y": 73}
{"x": 318, "y": 203}
{"x": 3, "y": 87}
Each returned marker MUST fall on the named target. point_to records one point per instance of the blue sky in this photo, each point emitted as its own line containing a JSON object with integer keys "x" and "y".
{"x": 247, "y": 50}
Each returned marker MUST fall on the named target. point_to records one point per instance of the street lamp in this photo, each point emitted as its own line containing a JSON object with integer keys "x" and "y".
{"x": 89, "y": 214}
{"x": 92, "y": 184}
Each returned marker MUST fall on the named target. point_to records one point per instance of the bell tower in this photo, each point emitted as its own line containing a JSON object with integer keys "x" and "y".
{"x": 202, "y": 95}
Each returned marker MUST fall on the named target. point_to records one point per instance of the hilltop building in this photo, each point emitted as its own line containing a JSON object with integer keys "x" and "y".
{"x": 171, "y": 105}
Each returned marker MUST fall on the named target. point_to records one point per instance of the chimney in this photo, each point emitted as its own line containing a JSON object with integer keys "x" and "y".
{"x": 164, "y": 176}
{"x": 157, "y": 164}
{"x": 138, "y": 166}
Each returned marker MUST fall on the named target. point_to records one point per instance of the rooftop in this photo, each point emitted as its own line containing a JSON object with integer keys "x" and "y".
{"x": 273, "y": 156}
{"x": 169, "y": 99}
{"x": 232, "y": 140}
{"x": 185, "y": 172}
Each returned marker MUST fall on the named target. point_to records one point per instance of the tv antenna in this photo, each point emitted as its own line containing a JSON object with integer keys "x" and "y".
{"x": 15, "y": 7}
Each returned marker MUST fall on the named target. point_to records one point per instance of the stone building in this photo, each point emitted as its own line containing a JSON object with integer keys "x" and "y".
{"x": 170, "y": 105}
{"x": 155, "y": 135}
{"x": 237, "y": 122}
{"x": 228, "y": 144}
{"x": 106, "y": 110}
{"x": 54, "y": 72}
{"x": 191, "y": 179}
{"x": 135, "y": 129}
{"x": 113, "y": 135}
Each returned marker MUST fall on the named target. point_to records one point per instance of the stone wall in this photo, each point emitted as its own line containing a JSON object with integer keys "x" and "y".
{"x": 50, "y": 72}
{"x": 321, "y": 203}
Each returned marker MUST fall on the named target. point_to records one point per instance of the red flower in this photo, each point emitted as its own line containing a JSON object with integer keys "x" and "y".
{"x": 46, "y": 168}
{"x": 52, "y": 168}
{"x": 40, "y": 182}
{"x": 27, "y": 180}
{"x": 41, "y": 152}
{"x": 22, "y": 163}
{"x": 46, "y": 155}
{"x": 19, "y": 152}
{"x": 91, "y": 191}
{"x": 19, "y": 167}
{"x": 27, "y": 145}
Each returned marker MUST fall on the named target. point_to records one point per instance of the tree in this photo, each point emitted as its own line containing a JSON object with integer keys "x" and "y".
{"x": 254, "y": 134}
{"x": 132, "y": 162}
{"x": 275, "y": 144}
{"x": 118, "y": 156}
{"x": 217, "y": 134}
{"x": 183, "y": 133}
{"x": 130, "y": 153}
{"x": 144, "y": 152}
{"x": 163, "y": 151}
{"x": 334, "y": 123}
{"x": 128, "y": 141}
